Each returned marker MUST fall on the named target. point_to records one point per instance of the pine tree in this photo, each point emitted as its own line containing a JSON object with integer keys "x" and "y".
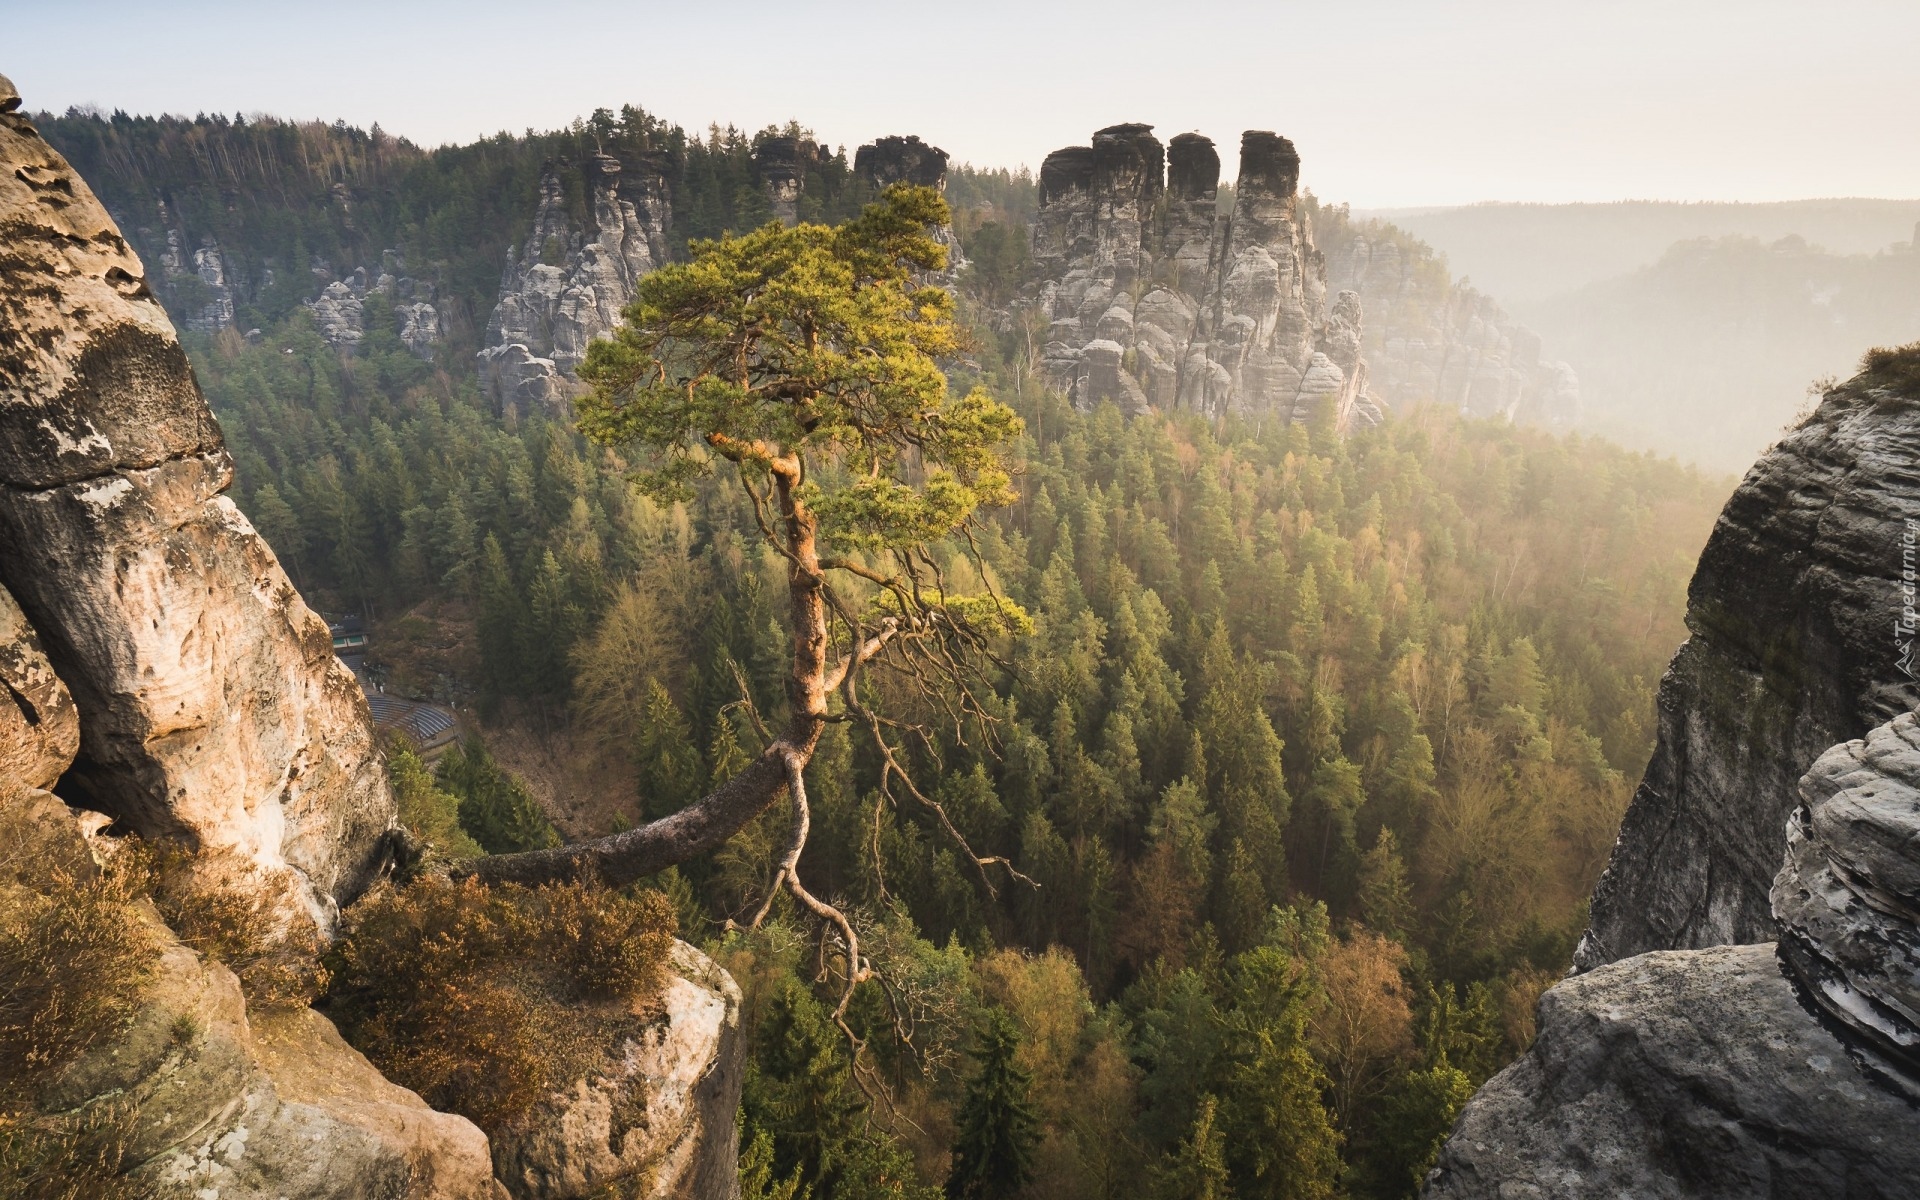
{"x": 993, "y": 1151}
{"x": 496, "y": 809}
{"x": 1197, "y": 1167}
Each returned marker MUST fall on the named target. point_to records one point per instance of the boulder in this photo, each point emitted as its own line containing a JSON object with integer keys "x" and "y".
{"x": 211, "y": 707}
{"x": 660, "y": 1112}
{"x": 1681, "y": 1074}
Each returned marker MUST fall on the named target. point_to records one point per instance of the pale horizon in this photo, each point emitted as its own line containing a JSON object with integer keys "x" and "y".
{"x": 1392, "y": 104}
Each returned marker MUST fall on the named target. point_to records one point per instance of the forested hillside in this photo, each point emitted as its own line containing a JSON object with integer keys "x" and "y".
{"x": 292, "y": 204}
{"x": 1314, "y": 752}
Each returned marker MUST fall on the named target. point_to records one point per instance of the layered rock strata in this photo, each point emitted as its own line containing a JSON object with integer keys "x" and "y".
{"x": 565, "y": 284}
{"x": 1796, "y": 614}
{"x": 1848, "y": 898}
{"x": 1156, "y": 299}
{"x": 1439, "y": 341}
{"x": 211, "y": 707}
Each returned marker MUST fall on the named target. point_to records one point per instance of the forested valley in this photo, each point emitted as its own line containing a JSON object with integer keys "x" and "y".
{"x": 1313, "y": 753}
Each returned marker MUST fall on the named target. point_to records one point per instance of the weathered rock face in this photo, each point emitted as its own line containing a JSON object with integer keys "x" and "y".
{"x": 211, "y": 706}
{"x": 1794, "y": 611}
{"x": 338, "y": 311}
{"x": 39, "y": 727}
{"x": 220, "y": 1100}
{"x": 565, "y": 285}
{"x": 1156, "y": 299}
{"x": 1753, "y": 1070}
{"x": 1438, "y": 341}
{"x": 1681, "y": 1074}
{"x": 682, "y": 1079}
{"x": 1848, "y": 898}
{"x": 890, "y": 160}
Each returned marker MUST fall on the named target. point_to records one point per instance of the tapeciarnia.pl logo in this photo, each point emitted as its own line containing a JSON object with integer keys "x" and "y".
{"x": 1905, "y": 627}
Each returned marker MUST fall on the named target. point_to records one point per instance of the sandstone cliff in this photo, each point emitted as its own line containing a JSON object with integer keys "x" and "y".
{"x": 211, "y": 706}
{"x": 1155, "y": 298}
{"x": 1793, "y": 612}
{"x": 1753, "y": 1070}
{"x": 159, "y": 667}
{"x": 565, "y": 284}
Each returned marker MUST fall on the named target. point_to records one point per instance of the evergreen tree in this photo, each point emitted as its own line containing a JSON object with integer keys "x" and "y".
{"x": 993, "y": 1148}
{"x": 1197, "y": 1168}
{"x": 496, "y": 809}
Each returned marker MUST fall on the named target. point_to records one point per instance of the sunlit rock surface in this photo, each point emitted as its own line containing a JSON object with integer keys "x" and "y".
{"x": 658, "y": 1116}
{"x": 211, "y": 706}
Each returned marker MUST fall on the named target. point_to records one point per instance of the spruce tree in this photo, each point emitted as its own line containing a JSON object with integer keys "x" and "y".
{"x": 993, "y": 1153}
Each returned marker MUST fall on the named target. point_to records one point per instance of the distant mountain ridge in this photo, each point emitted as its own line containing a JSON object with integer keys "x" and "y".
{"x": 1524, "y": 253}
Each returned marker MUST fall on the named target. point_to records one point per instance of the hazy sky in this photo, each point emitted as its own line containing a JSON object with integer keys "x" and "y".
{"x": 1392, "y": 102}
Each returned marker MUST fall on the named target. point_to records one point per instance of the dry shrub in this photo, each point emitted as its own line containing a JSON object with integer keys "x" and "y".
{"x": 73, "y": 959}
{"x": 237, "y": 915}
{"x": 68, "y": 1158}
{"x": 1895, "y": 365}
{"x": 485, "y": 1000}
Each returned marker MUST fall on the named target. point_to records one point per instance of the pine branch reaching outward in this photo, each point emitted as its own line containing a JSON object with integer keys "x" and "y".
{"x": 804, "y": 359}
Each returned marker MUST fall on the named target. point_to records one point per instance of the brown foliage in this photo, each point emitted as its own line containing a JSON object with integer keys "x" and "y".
{"x": 76, "y": 1157}
{"x": 73, "y": 958}
{"x": 1897, "y": 365}
{"x": 237, "y": 915}
{"x": 485, "y": 1000}
{"x": 1364, "y": 1029}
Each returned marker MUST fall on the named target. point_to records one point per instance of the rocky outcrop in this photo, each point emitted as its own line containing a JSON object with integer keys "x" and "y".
{"x": 339, "y": 310}
{"x": 567, "y": 282}
{"x": 1436, "y": 340}
{"x": 211, "y": 707}
{"x": 1678, "y": 1075}
{"x": 1848, "y": 899}
{"x": 781, "y": 164}
{"x": 196, "y": 279}
{"x": 1753, "y": 1070}
{"x": 1156, "y": 299}
{"x": 213, "y": 1099}
{"x": 660, "y": 1112}
{"x": 1796, "y": 615}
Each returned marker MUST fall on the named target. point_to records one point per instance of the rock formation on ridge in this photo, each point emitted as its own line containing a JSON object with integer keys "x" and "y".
{"x": 893, "y": 159}
{"x": 337, "y": 309}
{"x": 1739, "y": 1070}
{"x": 565, "y": 285}
{"x": 1794, "y": 647}
{"x": 1156, "y": 299}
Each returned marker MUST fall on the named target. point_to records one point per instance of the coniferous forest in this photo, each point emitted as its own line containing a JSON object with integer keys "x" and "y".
{"x": 1313, "y": 753}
